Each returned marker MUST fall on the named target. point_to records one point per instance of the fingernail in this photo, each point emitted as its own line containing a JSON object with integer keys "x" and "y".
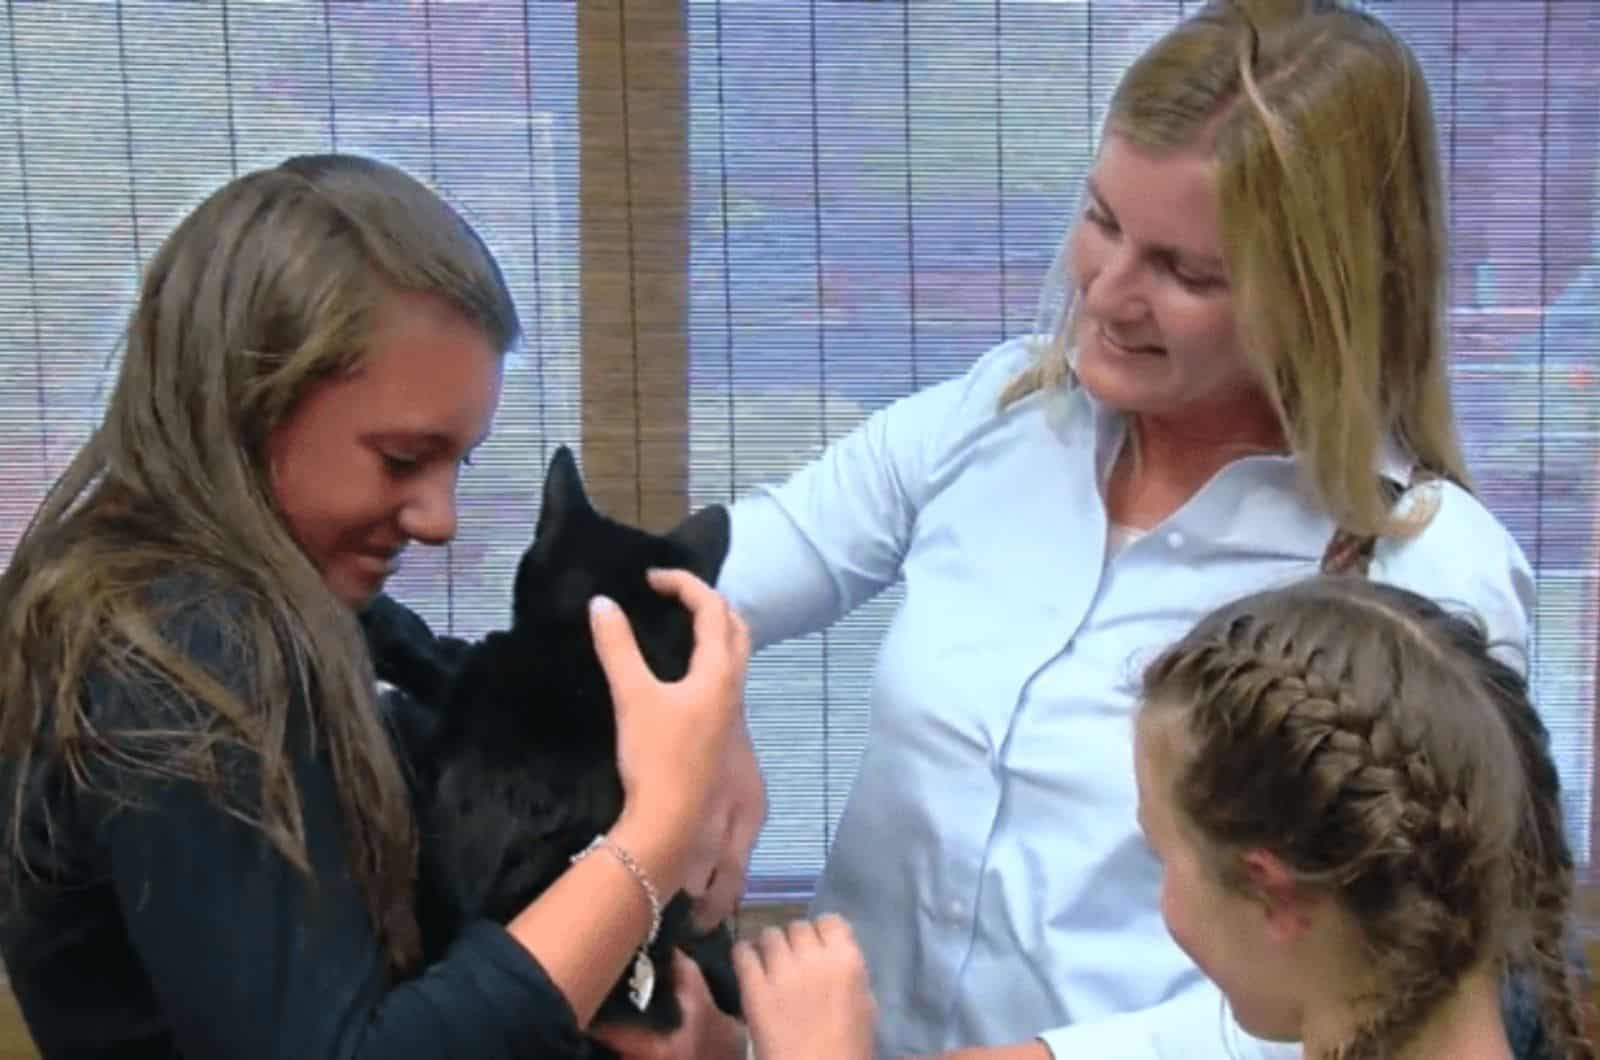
{"x": 599, "y": 605}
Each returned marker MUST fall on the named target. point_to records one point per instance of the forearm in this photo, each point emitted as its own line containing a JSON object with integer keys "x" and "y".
{"x": 1034, "y": 1050}
{"x": 585, "y": 929}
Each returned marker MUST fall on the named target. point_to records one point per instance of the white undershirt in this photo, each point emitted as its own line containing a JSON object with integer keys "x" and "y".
{"x": 1119, "y": 537}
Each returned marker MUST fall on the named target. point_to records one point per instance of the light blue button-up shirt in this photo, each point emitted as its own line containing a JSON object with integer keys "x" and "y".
{"x": 988, "y": 857}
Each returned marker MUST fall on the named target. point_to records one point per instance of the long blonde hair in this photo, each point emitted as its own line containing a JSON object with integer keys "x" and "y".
{"x": 265, "y": 288}
{"x": 1333, "y": 229}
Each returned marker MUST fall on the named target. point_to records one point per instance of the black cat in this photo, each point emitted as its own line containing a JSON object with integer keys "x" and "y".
{"x": 515, "y": 765}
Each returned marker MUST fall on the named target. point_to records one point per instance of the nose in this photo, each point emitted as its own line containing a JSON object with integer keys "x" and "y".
{"x": 1115, "y": 291}
{"x": 429, "y": 515}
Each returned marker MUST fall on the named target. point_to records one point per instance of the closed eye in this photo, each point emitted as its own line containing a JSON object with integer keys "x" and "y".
{"x": 1193, "y": 281}
{"x": 405, "y": 464}
{"x": 1169, "y": 260}
{"x": 1101, "y": 220}
{"x": 398, "y": 464}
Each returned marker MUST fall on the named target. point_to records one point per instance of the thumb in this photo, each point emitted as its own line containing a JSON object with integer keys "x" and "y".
{"x": 616, "y": 648}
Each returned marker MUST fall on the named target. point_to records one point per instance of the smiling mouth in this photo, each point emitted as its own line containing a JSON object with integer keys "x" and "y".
{"x": 380, "y": 564}
{"x": 1137, "y": 351}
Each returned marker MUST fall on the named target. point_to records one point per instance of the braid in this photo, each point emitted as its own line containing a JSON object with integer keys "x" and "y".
{"x": 1545, "y": 873}
{"x": 1392, "y": 734}
{"x": 1387, "y": 834}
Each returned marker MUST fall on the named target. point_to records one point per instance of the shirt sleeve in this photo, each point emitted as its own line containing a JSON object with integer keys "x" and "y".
{"x": 251, "y": 959}
{"x": 805, "y": 553}
{"x": 1465, "y": 560}
{"x": 1193, "y": 1024}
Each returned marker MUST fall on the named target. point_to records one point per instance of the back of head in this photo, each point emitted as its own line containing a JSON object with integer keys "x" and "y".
{"x": 268, "y": 286}
{"x": 1332, "y": 218}
{"x": 1376, "y": 745}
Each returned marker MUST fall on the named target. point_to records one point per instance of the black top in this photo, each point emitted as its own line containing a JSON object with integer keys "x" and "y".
{"x": 172, "y": 928}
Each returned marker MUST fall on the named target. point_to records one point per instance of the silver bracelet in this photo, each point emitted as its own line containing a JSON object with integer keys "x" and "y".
{"x": 642, "y": 983}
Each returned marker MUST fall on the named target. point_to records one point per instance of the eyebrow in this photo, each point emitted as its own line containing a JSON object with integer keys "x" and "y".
{"x": 1203, "y": 261}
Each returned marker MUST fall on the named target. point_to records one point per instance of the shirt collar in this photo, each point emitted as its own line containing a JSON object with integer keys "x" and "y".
{"x": 1393, "y": 461}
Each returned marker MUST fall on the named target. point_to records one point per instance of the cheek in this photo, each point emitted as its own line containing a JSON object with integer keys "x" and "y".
{"x": 1085, "y": 255}
{"x": 1170, "y": 913}
{"x": 298, "y": 490}
{"x": 329, "y": 496}
{"x": 1175, "y": 911}
{"x": 1201, "y": 329}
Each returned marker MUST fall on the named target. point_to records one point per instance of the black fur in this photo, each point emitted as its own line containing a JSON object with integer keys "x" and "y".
{"x": 519, "y": 770}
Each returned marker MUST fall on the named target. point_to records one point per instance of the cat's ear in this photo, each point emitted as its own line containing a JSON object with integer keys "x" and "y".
{"x": 564, "y": 499}
{"x": 705, "y": 534}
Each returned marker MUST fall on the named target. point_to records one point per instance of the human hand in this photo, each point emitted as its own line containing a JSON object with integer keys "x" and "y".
{"x": 716, "y": 877}
{"x": 672, "y": 737}
{"x": 707, "y": 1033}
{"x": 805, "y": 992}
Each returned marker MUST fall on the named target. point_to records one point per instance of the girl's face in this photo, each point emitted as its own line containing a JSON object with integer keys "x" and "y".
{"x": 1225, "y": 932}
{"x": 367, "y": 462}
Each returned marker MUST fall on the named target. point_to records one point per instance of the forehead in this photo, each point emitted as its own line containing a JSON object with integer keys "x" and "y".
{"x": 1152, "y": 753}
{"x": 428, "y": 369}
{"x": 1164, "y": 197}
{"x": 1142, "y": 766}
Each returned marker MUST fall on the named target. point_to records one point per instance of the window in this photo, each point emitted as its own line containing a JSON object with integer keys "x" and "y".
{"x": 868, "y": 197}
{"x": 878, "y": 189}
{"x": 117, "y": 119}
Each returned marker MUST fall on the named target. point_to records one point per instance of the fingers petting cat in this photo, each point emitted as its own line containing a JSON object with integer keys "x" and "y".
{"x": 805, "y": 992}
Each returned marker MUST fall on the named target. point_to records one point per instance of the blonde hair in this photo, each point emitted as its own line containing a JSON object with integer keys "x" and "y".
{"x": 265, "y": 288}
{"x": 1333, "y": 228}
{"x": 1377, "y": 746}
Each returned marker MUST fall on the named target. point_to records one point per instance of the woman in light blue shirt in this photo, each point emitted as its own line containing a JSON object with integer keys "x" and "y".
{"x": 1247, "y": 370}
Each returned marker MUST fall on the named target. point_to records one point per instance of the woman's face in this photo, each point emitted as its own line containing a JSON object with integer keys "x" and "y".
{"x": 1155, "y": 325}
{"x": 367, "y": 462}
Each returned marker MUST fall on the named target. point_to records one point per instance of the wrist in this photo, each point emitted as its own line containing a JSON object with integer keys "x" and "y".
{"x": 661, "y": 856}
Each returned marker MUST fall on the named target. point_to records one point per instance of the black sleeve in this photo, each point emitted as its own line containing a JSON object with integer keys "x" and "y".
{"x": 252, "y": 960}
{"x": 407, "y": 653}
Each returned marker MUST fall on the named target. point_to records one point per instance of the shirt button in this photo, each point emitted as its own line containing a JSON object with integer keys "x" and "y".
{"x": 1175, "y": 539}
{"x": 954, "y": 910}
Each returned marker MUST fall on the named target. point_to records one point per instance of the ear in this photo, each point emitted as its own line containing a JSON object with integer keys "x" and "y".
{"x": 1285, "y": 903}
{"x": 564, "y": 499}
{"x": 705, "y": 534}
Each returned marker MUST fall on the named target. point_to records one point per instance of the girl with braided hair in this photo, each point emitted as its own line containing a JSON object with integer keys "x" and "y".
{"x": 1359, "y": 824}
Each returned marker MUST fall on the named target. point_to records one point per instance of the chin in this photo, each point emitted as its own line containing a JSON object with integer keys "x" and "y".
{"x": 1266, "y": 1025}
{"x": 354, "y": 592}
{"x": 1115, "y": 390}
